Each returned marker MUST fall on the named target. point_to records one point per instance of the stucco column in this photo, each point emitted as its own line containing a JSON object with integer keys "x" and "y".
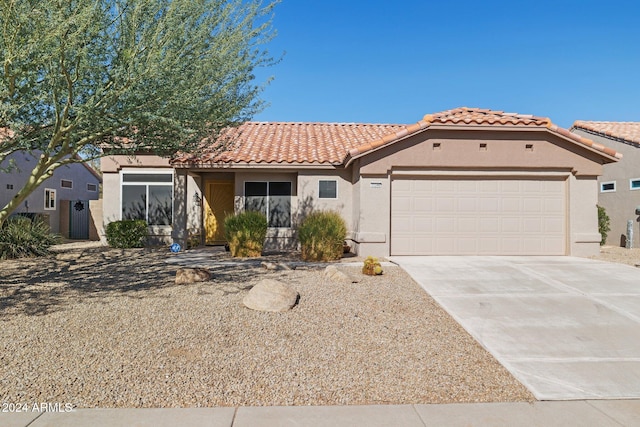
{"x": 179, "y": 233}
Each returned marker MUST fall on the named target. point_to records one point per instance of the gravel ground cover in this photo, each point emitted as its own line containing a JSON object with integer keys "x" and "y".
{"x": 99, "y": 327}
{"x": 619, "y": 255}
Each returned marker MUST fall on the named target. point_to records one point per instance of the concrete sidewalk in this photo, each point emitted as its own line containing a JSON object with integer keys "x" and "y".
{"x": 582, "y": 413}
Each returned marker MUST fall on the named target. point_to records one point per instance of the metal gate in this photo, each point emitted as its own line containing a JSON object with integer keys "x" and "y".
{"x": 79, "y": 219}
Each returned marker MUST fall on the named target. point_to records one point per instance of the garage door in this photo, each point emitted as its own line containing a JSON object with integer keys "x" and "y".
{"x": 478, "y": 217}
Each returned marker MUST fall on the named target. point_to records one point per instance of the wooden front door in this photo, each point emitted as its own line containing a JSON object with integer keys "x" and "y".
{"x": 218, "y": 203}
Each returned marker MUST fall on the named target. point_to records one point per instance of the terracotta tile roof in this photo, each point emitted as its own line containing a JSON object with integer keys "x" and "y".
{"x": 625, "y": 131}
{"x": 338, "y": 143}
{"x": 293, "y": 143}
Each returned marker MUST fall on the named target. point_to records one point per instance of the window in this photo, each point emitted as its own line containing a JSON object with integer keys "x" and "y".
{"x": 9, "y": 186}
{"x": 328, "y": 189}
{"x": 608, "y": 187}
{"x": 634, "y": 184}
{"x": 49, "y": 199}
{"x": 272, "y": 199}
{"x": 148, "y": 196}
{"x": 92, "y": 187}
{"x": 65, "y": 183}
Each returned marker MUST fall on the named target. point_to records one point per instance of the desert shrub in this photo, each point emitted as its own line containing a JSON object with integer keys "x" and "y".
{"x": 321, "y": 236}
{"x": 245, "y": 233}
{"x": 21, "y": 237}
{"x": 603, "y": 224}
{"x": 372, "y": 266}
{"x": 131, "y": 233}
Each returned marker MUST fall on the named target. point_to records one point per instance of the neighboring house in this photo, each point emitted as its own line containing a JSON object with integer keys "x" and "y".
{"x": 62, "y": 200}
{"x": 619, "y": 185}
{"x": 461, "y": 182}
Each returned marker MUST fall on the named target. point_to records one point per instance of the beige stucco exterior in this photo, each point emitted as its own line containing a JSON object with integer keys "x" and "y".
{"x": 621, "y": 203}
{"x": 364, "y": 184}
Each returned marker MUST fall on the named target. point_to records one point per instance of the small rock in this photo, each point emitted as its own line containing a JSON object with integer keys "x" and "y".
{"x": 269, "y": 265}
{"x": 271, "y": 295}
{"x": 273, "y": 266}
{"x": 192, "y": 275}
{"x": 332, "y": 273}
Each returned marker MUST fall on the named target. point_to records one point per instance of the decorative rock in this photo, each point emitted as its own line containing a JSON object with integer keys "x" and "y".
{"x": 273, "y": 266}
{"x": 269, "y": 265}
{"x": 192, "y": 275}
{"x": 271, "y": 295}
{"x": 332, "y": 273}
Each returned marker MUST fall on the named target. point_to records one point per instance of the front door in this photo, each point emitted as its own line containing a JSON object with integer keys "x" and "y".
{"x": 218, "y": 204}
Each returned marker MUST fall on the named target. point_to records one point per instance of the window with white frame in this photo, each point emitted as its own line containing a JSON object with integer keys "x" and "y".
{"x": 66, "y": 183}
{"x": 634, "y": 184}
{"x": 328, "y": 189}
{"x": 92, "y": 187}
{"x": 608, "y": 187}
{"x": 49, "y": 199}
{"x": 147, "y": 196}
{"x": 272, "y": 199}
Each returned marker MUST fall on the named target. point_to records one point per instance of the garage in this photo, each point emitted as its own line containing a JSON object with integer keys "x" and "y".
{"x": 479, "y": 215}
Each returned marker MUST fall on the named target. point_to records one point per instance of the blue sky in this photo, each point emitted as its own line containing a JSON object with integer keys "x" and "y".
{"x": 395, "y": 61}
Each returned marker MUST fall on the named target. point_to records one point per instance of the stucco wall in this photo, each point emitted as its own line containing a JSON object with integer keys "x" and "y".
{"x": 502, "y": 150}
{"x": 584, "y": 238}
{"x": 374, "y": 194}
{"x": 621, "y": 204}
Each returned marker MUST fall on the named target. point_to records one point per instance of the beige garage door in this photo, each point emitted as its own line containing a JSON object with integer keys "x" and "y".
{"x": 478, "y": 217}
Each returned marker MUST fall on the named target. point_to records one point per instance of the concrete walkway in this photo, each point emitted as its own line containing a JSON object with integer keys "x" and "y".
{"x": 567, "y": 328}
{"x": 548, "y": 414}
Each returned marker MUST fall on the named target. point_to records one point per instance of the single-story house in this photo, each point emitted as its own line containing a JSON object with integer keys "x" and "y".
{"x": 619, "y": 184}
{"x": 62, "y": 200}
{"x": 466, "y": 181}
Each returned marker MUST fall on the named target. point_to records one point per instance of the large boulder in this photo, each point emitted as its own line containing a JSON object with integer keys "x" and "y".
{"x": 271, "y": 295}
{"x": 192, "y": 275}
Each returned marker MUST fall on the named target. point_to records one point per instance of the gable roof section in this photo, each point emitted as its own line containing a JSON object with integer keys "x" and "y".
{"x": 627, "y": 132}
{"x": 340, "y": 143}
{"x": 471, "y": 117}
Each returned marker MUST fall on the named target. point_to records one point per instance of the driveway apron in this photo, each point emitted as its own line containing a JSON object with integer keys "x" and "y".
{"x": 567, "y": 328}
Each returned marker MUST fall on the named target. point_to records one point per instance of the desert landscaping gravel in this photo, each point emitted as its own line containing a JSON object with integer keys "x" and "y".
{"x": 99, "y": 327}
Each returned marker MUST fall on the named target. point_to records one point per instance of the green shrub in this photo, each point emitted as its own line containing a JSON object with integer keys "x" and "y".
{"x": 603, "y": 224}
{"x": 321, "y": 236}
{"x": 245, "y": 233}
{"x": 21, "y": 237}
{"x": 125, "y": 234}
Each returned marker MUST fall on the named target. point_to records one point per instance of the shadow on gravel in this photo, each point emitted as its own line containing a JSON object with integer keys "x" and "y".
{"x": 44, "y": 285}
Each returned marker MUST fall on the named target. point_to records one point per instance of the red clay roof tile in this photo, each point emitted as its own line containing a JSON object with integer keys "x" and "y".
{"x": 336, "y": 143}
{"x": 625, "y": 131}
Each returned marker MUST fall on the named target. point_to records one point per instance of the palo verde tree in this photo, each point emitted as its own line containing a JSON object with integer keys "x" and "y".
{"x": 79, "y": 77}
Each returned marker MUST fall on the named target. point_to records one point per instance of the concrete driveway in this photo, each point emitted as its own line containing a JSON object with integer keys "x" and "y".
{"x": 567, "y": 328}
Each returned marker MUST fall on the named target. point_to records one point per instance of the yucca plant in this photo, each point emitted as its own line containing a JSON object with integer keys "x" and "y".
{"x": 245, "y": 233}
{"x": 21, "y": 237}
{"x": 322, "y": 235}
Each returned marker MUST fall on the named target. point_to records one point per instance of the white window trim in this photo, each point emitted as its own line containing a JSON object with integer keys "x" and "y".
{"x": 147, "y": 183}
{"x": 50, "y": 196}
{"x": 328, "y": 198}
{"x": 244, "y": 201}
{"x": 631, "y": 184}
{"x": 93, "y": 191}
{"x": 66, "y": 188}
{"x": 602, "y": 184}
